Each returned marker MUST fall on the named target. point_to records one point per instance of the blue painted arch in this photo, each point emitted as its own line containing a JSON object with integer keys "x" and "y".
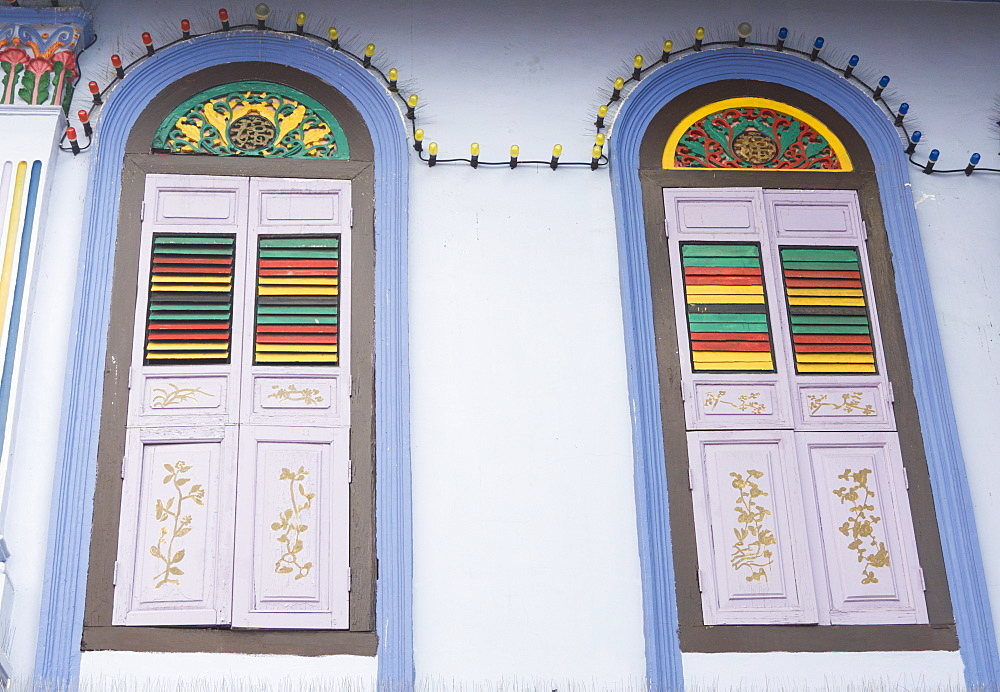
{"x": 963, "y": 560}
{"x": 61, "y": 621}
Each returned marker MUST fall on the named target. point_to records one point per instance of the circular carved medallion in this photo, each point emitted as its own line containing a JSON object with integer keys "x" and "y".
{"x": 754, "y": 147}
{"x": 252, "y": 132}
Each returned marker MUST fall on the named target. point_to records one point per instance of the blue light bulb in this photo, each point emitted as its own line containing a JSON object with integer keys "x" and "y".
{"x": 782, "y": 33}
{"x": 853, "y": 62}
{"x": 884, "y": 82}
{"x": 974, "y": 159}
{"x": 819, "y": 43}
{"x": 904, "y": 108}
{"x": 915, "y": 137}
{"x": 933, "y": 156}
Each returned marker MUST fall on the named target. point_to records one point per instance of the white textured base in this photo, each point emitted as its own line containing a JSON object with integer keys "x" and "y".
{"x": 125, "y": 671}
{"x": 827, "y": 672}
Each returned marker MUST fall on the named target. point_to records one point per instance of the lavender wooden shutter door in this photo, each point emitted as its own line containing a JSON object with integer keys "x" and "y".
{"x": 868, "y": 551}
{"x": 753, "y": 559}
{"x": 292, "y": 566}
{"x": 175, "y": 538}
{"x": 724, "y": 289}
{"x": 836, "y": 363}
{"x": 862, "y": 535}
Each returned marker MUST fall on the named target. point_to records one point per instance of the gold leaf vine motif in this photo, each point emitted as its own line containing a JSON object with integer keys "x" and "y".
{"x": 290, "y": 524}
{"x": 861, "y": 526}
{"x": 177, "y": 396}
{"x": 851, "y": 403}
{"x": 309, "y": 397}
{"x": 752, "y": 540}
{"x": 165, "y": 511}
{"x": 746, "y": 401}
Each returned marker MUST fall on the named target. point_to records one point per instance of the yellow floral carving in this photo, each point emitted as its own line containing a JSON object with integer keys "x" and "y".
{"x": 746, "y": 401}
{"x": 177, "y": 396}
{"x": 167, "y": 510}
{"x": 309, "y": 397}
{"x": 751, "y": 549}
{"x": 851, "y": 403}
{"x": 861, "y": 525}
{"x": 290, "y": 524}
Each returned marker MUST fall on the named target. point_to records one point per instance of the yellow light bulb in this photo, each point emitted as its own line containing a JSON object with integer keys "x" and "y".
{"x": 599, "y": 139}
{"x": 419, "y": 135}
{"x": 300, "y": 19}
{"x": 474, "y": 148}
{"x": 557, "y": 151}
{"x": 597, "y": 152}
{"x": 432, "y": 148}
{"x": 637, "y": 62}
{"x": 602, "y": 111}
{"x": 700, "y": 33}
{"x": 332, "y": 31}
{"x": 393, "y": 74}
{"x": 619, "y": 83}
{"x": 668, "y": 46}
{"x": 412, "y": 101}
{"x": 514, "y": 151}
{"x": 370, "y": 50}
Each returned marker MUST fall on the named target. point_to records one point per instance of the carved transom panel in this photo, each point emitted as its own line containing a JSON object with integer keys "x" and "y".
{"x": 252, "y": 119}
{"x": 754, "y": 133}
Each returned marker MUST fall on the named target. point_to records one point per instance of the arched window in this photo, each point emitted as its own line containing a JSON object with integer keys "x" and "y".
{"x": 796, "y": 487}
{"x": 757, "y": 230}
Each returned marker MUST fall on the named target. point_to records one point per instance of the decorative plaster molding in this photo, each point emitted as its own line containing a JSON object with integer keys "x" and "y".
{"x": 38, "y": 51}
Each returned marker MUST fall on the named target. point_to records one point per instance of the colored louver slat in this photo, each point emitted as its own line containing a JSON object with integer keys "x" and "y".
{"x": 298, "y": 300}
{"x": 190, "y": 299}
{"x": 828, "y": 312}
{"x": 726, "y": 307}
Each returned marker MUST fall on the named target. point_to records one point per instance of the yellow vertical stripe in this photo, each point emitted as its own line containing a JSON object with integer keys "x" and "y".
{"x": 12, "y": 228}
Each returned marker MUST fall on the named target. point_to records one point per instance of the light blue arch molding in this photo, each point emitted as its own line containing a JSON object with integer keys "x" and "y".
{"x": 61, "y": 621}
{"x": 937, "y": 420}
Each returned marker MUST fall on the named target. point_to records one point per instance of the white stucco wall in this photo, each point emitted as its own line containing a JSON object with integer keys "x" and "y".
{"x": 525, "y": 562}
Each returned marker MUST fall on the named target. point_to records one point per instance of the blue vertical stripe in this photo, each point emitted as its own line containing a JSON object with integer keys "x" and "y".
{"x": 6, "y": 380}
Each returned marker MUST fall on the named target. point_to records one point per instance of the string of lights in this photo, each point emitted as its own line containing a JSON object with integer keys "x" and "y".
{"x": 605, "y": 112}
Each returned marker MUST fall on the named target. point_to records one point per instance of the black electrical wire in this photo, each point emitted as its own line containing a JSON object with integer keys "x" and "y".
{"x": 602, "y": 161}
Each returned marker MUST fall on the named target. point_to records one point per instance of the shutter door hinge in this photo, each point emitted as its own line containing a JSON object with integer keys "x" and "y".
{"x": 352, "y": 217}
{"x": 892, "y": 394}
{"x": 350, "y": 583}
{"x": 690, "y": 479}
{"x": 699, "y": 580}
{"x": 864, "y": 230}
{"x": 906, "y": 478}
{"x": 123, "y": 468}
{"x": 666, "y": 227}
{"x": 142, "y": 211}
{"x": 114, "y": 577}
{"x": 350, "y": 471}
{"x": 923, "y": 584}
{"x": 130, "y": 378}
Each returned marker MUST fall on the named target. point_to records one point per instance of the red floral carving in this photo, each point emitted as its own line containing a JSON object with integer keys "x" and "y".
{"x": 68, "y": 59}
{"x": 38, "y": 66}
{"x": 15, "y": 56}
